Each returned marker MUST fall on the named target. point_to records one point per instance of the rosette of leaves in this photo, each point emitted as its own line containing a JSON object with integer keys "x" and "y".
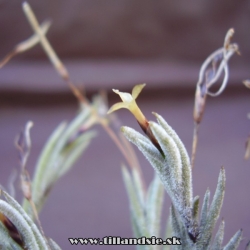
{"x": 175, "y": 172}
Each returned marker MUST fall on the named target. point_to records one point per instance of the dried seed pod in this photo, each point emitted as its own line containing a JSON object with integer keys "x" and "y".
{"x": 200, "y": 101}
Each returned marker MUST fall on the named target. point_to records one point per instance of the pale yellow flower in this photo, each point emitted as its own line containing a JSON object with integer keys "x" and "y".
{"x": 128, "y": 102}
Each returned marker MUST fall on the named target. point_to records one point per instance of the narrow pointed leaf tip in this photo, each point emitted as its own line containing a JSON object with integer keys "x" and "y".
{"x": 213, "y": 213}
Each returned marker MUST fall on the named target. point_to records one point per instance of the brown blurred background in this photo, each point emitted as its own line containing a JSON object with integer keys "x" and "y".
{"x": 117, "y": 44}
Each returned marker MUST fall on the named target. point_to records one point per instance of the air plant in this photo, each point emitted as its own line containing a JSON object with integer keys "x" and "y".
{"x": 173, "y": 169}
{"x": 161, "y": 146}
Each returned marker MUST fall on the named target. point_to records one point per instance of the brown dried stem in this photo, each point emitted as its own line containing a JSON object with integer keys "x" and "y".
{"x": 27, "y": 44}
{"x": 23, "y": 144}
{"x": 59, "y": 66}
{"x": 210, "y": 72}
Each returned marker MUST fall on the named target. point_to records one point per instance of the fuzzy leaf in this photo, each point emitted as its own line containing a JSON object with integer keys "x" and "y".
{"x": 135, "y": 206}
{"x": 171, "y": 152}
{"x": 136, "y": 210}
{"x": 204, "y": 209}
{"x": 138, "y": 187}
{"x": 169, "y": 233}
{"x": 186, "y": 166}
{"x": 61, "y": 151}
{"x": 154, "y": 157}
{"x": 21, "y": 224}
{"x": 219, "y": 237}
{"x": 70, "y": 130}
{"x": 172, "y": 162}
{"x": 77, "y": 148}
{"x": 39, "y": 238}
{"x": 42, "y": 165}
{"x": 6, "y": 242}
{"x": 234, "y": 241}
{"x": 154, "y": 206}
{"x": 53, "y": 245}
{"x": 166, "y": 173}
{"x": 196, "y": 208}
{"x": 179, "y": 230}
{"x": 214, "y": 212}
{"x": 135, "y": 228}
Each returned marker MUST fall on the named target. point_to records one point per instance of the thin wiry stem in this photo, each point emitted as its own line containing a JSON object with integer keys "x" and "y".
{"x": 26, "y": 45}
{"x": 59, "y": 66}
{"x": 23, "y": 145}
{"x": 195, "y": 142}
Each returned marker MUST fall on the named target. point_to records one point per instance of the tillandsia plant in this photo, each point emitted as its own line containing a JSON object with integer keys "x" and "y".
{"x": 20, "y": 227}
{"x": 173, "y": 168}
{"x": 166, "y": 153}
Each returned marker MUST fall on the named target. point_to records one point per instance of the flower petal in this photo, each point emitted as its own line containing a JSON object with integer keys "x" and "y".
{"x": 126, "y": 97}
{"x": 117, "y": 106}
{"x": 137, "y": 90}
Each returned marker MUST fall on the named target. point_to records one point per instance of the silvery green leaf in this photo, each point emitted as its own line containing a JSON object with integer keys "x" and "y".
{"x": 6, "y": 242}
{"x": 167, "y": 174}
{"x": 42, "y": 165}
{"x": 169, "y": 233}
{"x": 218, "y": 237}
{"x": 172, "y": 154}
{"x": 214, "y": 212}
{"x": 196, "y": 208}
{"x": 155, "y": 197}
{"x": 179, "y": 230}
{"x": 21, "y": 224}
{"x": 61, "y": 151}
{"x": 154, "y": 157}
{"x": 136, "y": 210}
{"x": 45, "y": 156}
{"x": 139, "y": 189}
{"x": 234, "y": 241}
{"x": 172, "y": 162}
{"x": 135, "y": 206}
{"x": 135, "y": 228}
{"x": 204, "y": 209}
{"x": 76, "y": 150}
{"x": 53, "y": 245}
{"x": 70, "y": 130}
{"x": 186, "y": 166}
{"x": 136, "y": 231}
{"x": 39, "y": 238}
